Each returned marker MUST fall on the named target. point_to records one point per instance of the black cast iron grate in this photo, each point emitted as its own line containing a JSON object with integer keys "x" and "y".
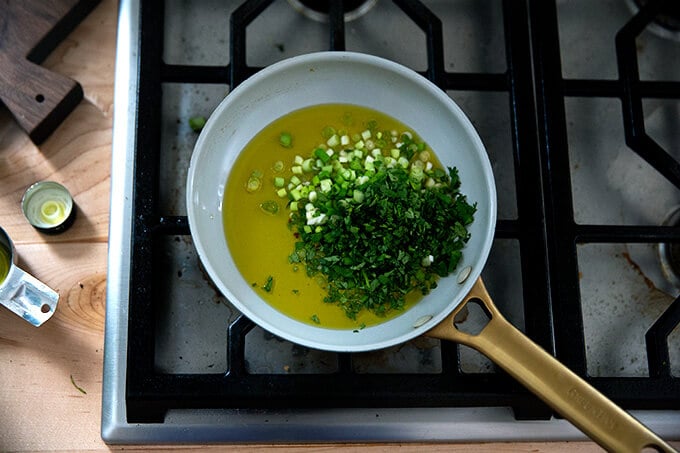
{"x": 544, "y": 229}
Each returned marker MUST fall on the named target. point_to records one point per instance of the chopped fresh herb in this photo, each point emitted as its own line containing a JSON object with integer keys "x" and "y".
{"x": 296, "y": 291}
{"x": 268, "y": 284}
{"x": 196, "y": 123}
{"x": 376, "y": 223}
{"x": 315, "y": 319}
{"x": 254, "y": 182}
{"x": 327, "y": 132}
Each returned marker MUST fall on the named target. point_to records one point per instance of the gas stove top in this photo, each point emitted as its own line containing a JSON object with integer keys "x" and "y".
{"x": 577, "y": 104}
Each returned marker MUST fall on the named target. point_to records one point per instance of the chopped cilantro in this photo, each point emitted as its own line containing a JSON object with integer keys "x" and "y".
{"x": 268, "y": 284}
{"x": 196, "y": 123}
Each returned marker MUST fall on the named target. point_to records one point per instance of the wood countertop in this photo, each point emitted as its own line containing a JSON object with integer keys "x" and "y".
{"x": 51, "y": 377}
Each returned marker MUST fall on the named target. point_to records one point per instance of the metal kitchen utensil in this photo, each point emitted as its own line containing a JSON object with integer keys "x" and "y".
{"x": 20, "y": 292}
{"x": 577, "y": 401}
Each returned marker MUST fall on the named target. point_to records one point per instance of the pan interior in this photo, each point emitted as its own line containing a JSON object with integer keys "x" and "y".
{"x": 348, "y": 78}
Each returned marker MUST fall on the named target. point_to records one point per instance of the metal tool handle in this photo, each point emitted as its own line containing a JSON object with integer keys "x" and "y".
{"x": 28, "y": 297}
{"x": 572, "y": 397}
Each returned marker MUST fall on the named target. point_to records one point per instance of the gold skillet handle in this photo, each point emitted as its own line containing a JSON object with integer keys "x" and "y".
{"x": 572, "y": 397}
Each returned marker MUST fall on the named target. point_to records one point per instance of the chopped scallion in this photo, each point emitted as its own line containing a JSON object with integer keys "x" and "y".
{"x": 197, "y": 123}
{"x": 286, "y": 139}
{"x": 270, "y": 207}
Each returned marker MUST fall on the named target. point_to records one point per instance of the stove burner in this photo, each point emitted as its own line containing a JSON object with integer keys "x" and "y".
{"x": 318, "y": 10}
{"x": 669, "y": 253}
{"x": 666, "y": 24}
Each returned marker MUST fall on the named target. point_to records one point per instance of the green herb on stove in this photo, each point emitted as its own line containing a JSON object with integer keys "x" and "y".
{"x": 80, "y": 389}
{"x": 196, "y": 123}
{"x": 286, "y": 139}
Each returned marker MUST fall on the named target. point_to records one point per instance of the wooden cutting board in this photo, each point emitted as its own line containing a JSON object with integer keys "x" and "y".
{"x": 38, "y": 98}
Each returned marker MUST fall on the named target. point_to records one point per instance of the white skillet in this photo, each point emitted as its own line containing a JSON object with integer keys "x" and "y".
{"x": 349, "y": 78}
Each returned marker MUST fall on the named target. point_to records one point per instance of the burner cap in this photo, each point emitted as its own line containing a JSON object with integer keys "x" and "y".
{"x": 667, "y": 23}
{"x": 318, "y": 9}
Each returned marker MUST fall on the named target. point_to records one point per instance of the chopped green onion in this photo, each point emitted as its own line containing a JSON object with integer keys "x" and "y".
{"x": 307, "y": 165}
{"x": 270, "y": 207}
{"x": 197, "y": 123}
{"x": 254, "y": 183}
{"x": 334, "y": 140}
{"x": 286, "y": 139}
{"x": 403, "y": 162}
{"x": 326, "y": 185}
{"x": 296, "y": 194}
{"x": 322, "y": 155}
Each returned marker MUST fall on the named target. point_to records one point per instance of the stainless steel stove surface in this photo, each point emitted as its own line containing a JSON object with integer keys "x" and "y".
{"x": 584, "y": 156}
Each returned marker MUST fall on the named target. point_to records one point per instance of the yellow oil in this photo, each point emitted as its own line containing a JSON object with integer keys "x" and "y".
{"x": 5, "y": 263}
{"x": 53, "y": 212}
{"x": 261, "y": 242}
